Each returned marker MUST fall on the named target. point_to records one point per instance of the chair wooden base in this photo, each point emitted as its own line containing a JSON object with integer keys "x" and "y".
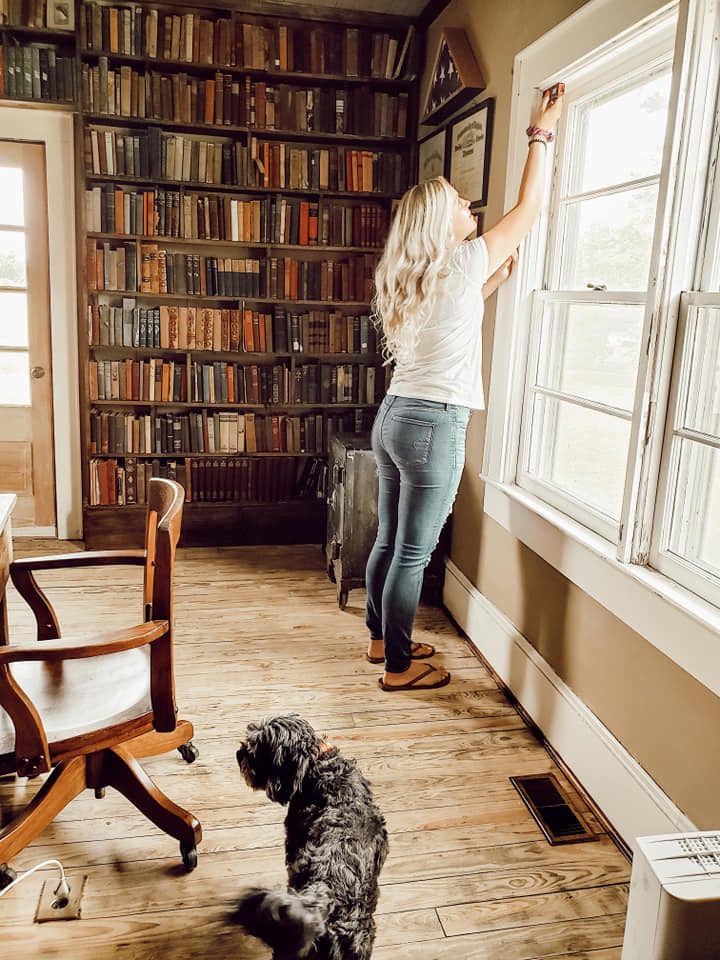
{"x": 113, "y": 767}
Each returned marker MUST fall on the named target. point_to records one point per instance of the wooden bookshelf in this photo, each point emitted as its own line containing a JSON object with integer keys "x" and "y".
{"x": 236, "y": 171}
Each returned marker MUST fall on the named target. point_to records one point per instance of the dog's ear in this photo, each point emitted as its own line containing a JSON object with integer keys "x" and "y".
{"x": 286, "y": 778}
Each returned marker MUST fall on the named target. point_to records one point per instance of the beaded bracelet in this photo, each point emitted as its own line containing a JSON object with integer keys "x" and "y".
{"x": 546, "y": 135}
{"x": 541, "y": 140}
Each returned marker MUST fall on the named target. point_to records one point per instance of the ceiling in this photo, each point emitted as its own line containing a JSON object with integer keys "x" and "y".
{"x": 399, "y": 8}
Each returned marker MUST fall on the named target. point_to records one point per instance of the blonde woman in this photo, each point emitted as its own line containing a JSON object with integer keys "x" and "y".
{"x": 430, "y": 286}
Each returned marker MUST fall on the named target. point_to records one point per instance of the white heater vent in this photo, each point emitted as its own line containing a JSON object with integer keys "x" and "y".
{"x": 674, "y": 907}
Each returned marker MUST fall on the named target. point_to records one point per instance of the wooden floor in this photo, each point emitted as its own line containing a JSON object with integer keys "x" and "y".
{"x": 469, "y": 874}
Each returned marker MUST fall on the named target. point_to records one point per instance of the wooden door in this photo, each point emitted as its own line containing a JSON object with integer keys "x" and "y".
{"x": 27, "y": 466}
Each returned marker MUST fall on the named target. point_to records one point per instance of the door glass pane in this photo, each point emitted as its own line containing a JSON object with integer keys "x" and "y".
{"x": 581, "y": 452}
{"x": 695, "y": 524}
{"x": 591, "y": 350}
{"x": 13, "y": 319}
{"x": 621, "y": 134}
{"x": 12, "y": 258}
{"x": 701, "y": 377}
{"x": 607, "y": 241}
{"x": 14, "y": 379}
{"x": 12, "y": 212}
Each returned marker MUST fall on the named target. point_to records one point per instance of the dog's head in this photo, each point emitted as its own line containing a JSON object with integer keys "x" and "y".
{"x": 276, "y": 753}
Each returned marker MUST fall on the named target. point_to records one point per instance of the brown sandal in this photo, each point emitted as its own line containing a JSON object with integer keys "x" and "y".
{"x": 413, "y": 656}
{"x": 414, "y": 684}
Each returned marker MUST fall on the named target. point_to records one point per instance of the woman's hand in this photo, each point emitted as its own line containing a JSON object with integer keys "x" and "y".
{"x": 502, "y": 274}
{"x": 548, "y": 112}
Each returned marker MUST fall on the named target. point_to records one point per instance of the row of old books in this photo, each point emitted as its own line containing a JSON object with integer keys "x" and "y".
{"x": 281, "y": 220}
{"x": 113, "y": 267}
{"x": 222, "y": 431}
{"x": 172, "y": 327}
{"x": 232, "y": 42}
{"x": 121, "y": 482}
{"x": 23, "y": 13}
{"x": 225, "y": 101}
{"x": 278, "y": 278}
{"x": 36, "y": 72}
{"x": 155, "y": 154}
{"x": 166, "y": 381}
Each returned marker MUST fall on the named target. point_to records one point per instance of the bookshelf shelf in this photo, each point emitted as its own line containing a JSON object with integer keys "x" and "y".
{"x": 235, "y": 244}
{"x": 268, "y": 408}
{"x": 272, "y": 76}
{"x": 41, "y": 34}
{"x": 220, "y": 130}
{"x": 272, "y": 489}
{"x": 235, "y": 356}
{"x": 186, "y": 298}
{"x": 191, "y": 185}
{"x": 213, "y": 455}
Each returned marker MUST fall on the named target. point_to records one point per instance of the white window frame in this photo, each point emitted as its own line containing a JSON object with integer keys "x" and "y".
{"x": 682, "y": 625}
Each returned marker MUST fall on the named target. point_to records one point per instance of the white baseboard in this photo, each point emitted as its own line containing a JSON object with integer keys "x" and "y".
{"x": 629, "y": 798}
{"x": 38, "y": 532}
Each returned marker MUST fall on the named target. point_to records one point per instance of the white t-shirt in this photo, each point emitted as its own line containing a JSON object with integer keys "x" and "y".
{"x": 447, "y": 365}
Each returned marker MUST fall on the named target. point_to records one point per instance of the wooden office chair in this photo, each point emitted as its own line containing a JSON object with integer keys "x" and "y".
{"x": 86, "y": 708}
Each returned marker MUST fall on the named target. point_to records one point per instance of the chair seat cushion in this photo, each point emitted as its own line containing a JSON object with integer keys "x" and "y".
{"x": 77, "y": 697}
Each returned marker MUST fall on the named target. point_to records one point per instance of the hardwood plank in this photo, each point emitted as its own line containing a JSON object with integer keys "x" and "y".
{"x": 475, "y": 917}
{"x": 545, "y": 940}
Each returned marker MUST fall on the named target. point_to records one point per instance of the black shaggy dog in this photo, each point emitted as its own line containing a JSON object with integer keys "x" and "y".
{"x": 335, "y": 844}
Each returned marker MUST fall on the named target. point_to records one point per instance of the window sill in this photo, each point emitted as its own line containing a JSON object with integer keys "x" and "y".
{"x": 674, "y": 620}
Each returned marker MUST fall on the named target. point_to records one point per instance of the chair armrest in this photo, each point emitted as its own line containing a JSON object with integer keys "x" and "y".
{"x": 97, "y": 645}
{"x": 87, "y": 558}
{"x": 32, "y": 751}
{"x": 21, "y": 574}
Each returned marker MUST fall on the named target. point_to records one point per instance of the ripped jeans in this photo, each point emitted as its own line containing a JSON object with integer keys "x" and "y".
{"x": 419, "y": 446}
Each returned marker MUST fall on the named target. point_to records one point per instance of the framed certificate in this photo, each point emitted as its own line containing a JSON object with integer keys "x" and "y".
{"x": 469, "y": 153}
{"x": 431, "y": 156}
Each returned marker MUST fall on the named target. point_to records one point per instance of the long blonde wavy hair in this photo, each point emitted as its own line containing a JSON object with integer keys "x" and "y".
{"x": 415, "y": 258}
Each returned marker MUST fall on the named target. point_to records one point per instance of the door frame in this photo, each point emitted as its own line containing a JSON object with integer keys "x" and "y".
{"x": 54, "y": 128}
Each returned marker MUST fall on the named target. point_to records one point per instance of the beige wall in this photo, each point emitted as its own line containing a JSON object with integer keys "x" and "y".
{"x": 664, "y": 718}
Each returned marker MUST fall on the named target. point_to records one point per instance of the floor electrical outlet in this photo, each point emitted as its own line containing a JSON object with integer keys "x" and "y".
{"x": 54, "y": 907}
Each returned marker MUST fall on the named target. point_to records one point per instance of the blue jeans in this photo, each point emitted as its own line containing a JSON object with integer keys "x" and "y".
{"x": 419, "y": 446}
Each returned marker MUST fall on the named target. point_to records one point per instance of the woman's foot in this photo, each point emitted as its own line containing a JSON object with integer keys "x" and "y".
{"x": 418, "y": 676}
{"x": 418, "y": 651}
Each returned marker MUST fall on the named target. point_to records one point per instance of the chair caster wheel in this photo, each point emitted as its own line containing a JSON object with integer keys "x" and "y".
{"x": 99, "y": 792}
{"x": 189, "y": 752}
{"x": 7, "y": 875}
{"x": 342, "y": 598}
{"x": 189, "y": 857}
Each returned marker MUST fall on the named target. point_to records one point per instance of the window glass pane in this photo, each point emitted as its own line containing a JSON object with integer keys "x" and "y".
{"x": 15, "y": 378}
{"x": 591, "y": 350}
{"x": 12, "y": 258}
{"x": 581, "y": 452}
{"x": 13, "y": 319}
{"x": 621, "y": 134}
{"x": 695, "y": 524}
{"x": 702, "y": 371}
{"x": 12, "y": 212}
{"x": 607, "y": 241}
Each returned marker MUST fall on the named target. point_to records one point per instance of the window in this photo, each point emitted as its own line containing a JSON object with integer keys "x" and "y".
{"x": 14, "y": 337}
{"x": 587, "y": 320}
{"x": 605, "y": 388}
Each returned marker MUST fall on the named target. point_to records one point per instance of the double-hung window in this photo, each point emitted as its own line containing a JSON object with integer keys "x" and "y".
{"x": 587, "y": 318}
{"x": 604, "y": 409}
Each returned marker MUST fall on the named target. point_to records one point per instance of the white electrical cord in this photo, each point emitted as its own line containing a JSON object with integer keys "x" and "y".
{"x": 62, "y": 889}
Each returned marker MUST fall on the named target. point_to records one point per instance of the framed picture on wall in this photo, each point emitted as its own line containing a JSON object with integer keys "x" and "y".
{"x": 469, "y": 152}
{"x": 480, "y": 220}
{"x": 431, "y": 156}
{"x": 60, "y": 15}
{"x": 455, "y": 79}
